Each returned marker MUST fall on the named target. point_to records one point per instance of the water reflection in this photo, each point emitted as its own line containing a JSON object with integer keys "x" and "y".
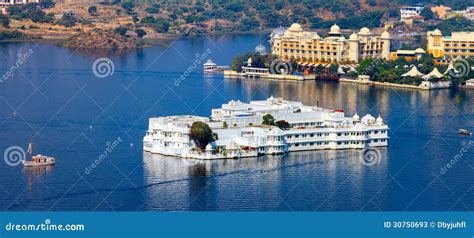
{"x": 33, "y": 174}
{"x": 260, "y": 183}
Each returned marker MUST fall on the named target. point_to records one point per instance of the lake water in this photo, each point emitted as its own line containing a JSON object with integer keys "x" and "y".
{"x": 55, "y": 101}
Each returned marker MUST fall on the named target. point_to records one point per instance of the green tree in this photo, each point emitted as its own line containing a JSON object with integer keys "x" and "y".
{"x": 268, "y": 120}
{"x": 128, "y": 6}
{"x": 67, "y": 20}
{"x": 162, "y": 26}
{"x": 121, "y": 30}
{"x": 201, "y": 134}
{"x": 148, "y": 20}
{"x": 154, "y": 9}
{"x": 427, "y": 14}
{"x": 140, "y": 33}
{"x": 92, "y": 10}
{"x": 4, "y": 20}
{"x": 282, "y": 124}
{"x": 135, "y": 19}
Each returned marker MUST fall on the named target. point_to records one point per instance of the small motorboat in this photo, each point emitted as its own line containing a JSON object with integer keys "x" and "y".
{"x": 37, "y": 160}
{"x": 464, "y": 132}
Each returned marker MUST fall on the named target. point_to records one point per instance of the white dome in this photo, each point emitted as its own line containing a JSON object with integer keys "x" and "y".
{"x": 420, "y": 51}
{"x": 296, "y": 27}
{"x": 437, "y": 32}
{"x": 385, "y": 35}
{"x": 379, "y": 120}
{"x": 354, "y": 36}
{"x": 356, "y": 117}
{"x": 364, "y": 31}
{"x": 209, "y": 146}
{"x": 335, "y": 29}
{"x": 368, "y": 119}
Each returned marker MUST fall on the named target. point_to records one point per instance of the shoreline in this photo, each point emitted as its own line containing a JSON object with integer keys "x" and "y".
{"x": 395, "y": 85}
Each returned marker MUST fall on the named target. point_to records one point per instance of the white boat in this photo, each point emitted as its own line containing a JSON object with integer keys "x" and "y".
{"x": 464, "y": 132}
{"x": 38, "y": 160}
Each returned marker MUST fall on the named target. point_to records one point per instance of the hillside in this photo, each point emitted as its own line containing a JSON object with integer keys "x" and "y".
{"x": 170, "y": 18}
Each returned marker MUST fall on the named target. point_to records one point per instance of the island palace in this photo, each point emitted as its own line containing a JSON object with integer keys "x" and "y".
{"x": 240, "y": 132}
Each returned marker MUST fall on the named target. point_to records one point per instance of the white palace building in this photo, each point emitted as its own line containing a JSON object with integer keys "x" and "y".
{"x": 240, "y": 132}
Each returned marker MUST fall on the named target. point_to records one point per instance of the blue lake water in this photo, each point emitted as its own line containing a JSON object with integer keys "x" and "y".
{"x": 55, "y": 101}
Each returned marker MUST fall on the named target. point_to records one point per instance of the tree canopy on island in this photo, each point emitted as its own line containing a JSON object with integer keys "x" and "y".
{"x": 201, "y": 134}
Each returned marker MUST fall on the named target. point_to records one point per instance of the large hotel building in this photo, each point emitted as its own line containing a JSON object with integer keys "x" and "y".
{"x": 308, "y": 47}
{"x": 459, "y": 44}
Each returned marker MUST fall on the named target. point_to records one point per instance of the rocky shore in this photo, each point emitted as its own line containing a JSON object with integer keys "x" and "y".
{"x": 105, "y": 39}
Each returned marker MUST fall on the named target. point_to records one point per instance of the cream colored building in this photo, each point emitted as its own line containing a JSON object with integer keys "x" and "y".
{"x": 459, "y": 44}
{"x": 308, "y": 47}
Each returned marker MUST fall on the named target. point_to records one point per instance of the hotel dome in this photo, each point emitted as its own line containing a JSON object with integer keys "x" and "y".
{"x": 364, "y": 31}
{"x": 295, "y": 27}
{"x": 354, "y": 37}
{"x": 335, "y": 30}
{"x": 385, "y": 35}
{"x": 437, "y": 32}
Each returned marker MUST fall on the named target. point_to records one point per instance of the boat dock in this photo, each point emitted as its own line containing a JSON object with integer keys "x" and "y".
{"x": 265, "y": 74}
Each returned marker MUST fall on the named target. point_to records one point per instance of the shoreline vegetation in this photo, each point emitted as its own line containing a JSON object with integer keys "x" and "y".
{"x": 164, "y": 20}
{"x": 375, "y": 71}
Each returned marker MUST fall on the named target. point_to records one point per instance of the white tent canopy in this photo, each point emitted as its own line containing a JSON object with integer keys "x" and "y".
{"x": 433, "y": 74}
{"x": 413, "y": 72}
{"x": 450, "y": 67}
{"x": 340, "y": 70}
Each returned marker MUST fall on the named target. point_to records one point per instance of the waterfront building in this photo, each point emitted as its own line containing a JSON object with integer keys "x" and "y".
{"x": 240, "y": 132}
{"x": 459, "y": 44}
{"x": 308, "y": 47}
